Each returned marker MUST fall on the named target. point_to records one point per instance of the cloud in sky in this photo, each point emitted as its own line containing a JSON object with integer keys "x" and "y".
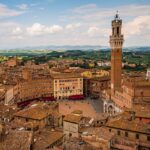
{"x": 22, "y": 6}
{"x": 95, "y": 31}
{"x": 84, "y": 9}
{"x": 73, "y": 26}
{"x": 17, "y": 31}
{"x": 38, "y": 29}
{"x": 98, "y": 21}
{"x": 92, "y": 11}
{"x": 137, "y": 26}
{"x": 80, "y": 25}
{"x": 5, "y": 11}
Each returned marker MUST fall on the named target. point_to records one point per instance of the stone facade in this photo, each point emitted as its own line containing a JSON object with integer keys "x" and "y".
{"x": 97, "y": 85}
{"x": 66, "y": 85}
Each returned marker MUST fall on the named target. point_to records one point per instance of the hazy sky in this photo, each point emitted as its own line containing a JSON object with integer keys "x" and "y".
{"x": 71, "y": 22}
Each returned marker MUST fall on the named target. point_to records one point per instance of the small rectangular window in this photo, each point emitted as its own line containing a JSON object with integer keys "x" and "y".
{"x": 118, "y": 132}
{"x": 113, "y": 31}
{"x": 137, "y": 136}
{"x": 126, "y": 134}
{"x": 117, "y": 30}
{"x": 148, "y": 138}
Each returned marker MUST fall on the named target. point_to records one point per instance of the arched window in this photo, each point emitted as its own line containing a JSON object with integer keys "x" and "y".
{"x": 117, "y": 30}
{"x": 113, "y": 31}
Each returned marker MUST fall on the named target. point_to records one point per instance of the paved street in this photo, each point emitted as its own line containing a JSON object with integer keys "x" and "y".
{"x": 97, "y": 105}
{"x": 90, "y": 108}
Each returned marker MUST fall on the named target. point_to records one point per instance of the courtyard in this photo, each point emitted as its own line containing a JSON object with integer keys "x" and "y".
{"x": 90, "y": 108}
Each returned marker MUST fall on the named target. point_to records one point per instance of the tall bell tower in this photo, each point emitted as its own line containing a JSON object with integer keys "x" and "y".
{"x": 116, "y": 43}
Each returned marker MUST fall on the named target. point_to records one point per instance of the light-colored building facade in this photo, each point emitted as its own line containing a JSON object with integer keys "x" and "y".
{"x": 9, "y": 95}
{"x": 66, "y": 85}
{"x": 148, "y": 74}
{"x": 71, "y": 125}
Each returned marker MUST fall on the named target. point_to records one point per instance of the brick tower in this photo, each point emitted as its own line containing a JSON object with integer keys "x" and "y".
{"x": 116, "y": 43}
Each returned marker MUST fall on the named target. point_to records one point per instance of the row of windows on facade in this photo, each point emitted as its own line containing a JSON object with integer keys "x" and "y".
{"x": 62, "y": 92}
{"x": 35, "y": 85}
{"x": 97, "y": 88}
{"x": 99, "y": 83}
{"x": 22, "y": 92}
{"x": 63, "y": 84}
{"x": 67, "y": 80}
{"x": 137, "y": 136}
{"x": 67, "y": 88}
{"x": 35, "y": 89}
{"x": 41, "y": 82}
{"x": 122, "y": 98}
{"x": 62, "y": 97}
{"x": 36, "y": 95}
